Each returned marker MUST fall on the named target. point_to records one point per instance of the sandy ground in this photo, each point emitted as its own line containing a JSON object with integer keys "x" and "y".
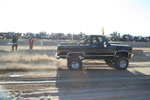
{"x": 94, "y": 82}
{"x": 32, "y": 75}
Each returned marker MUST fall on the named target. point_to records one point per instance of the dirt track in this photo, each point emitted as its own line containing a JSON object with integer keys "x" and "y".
{"x": 36, "y": 75}
{"x": 97, "y": 83}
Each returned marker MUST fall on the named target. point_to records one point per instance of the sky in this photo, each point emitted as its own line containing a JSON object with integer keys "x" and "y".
{"x": 75, "y": 16}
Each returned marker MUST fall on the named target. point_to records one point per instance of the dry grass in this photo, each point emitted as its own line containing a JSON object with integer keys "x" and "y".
{"x": 25, "y": 58}
{"x": 23, "y": 61}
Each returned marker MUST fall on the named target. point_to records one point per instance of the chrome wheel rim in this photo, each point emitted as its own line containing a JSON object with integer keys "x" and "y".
{"x": 75, "y": 65}
{"x": 123, "y": 63}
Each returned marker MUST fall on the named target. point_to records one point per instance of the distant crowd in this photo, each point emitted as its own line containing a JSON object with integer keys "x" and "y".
{"x": 128, "y": 37}
{"x": 61, "y": 36}
{"x": 43, "y": 35}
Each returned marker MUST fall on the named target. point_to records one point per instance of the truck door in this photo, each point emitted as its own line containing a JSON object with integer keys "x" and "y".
{"x": 97, "y": 49}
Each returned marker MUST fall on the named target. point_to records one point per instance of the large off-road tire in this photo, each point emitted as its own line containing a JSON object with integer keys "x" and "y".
{"x": 121, "y": 63}
{"x": 110, "y": 62}
{"x": 74, "y": 63}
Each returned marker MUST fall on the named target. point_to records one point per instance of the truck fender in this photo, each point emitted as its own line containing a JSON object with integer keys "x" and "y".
{"x": 122, "y": 52}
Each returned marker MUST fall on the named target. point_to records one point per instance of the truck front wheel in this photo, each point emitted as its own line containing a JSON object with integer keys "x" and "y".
{"x": 74, "y": 63}
{"x": 122, "y": 63}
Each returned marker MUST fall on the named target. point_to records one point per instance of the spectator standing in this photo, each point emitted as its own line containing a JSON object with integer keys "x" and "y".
{"x": 15, "y": 42}
{"x": 31, "y": 41}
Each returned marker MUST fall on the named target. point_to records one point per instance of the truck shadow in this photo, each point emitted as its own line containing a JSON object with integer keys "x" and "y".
{"x": 74, "y": 84}
{"x": 89, "y": 78}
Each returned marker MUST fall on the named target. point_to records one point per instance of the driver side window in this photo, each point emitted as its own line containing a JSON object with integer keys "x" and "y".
{"x": 94, "y": 41}
{"x": 97, "y": 41}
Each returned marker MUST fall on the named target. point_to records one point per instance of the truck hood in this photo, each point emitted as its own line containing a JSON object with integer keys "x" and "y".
{"x": 121, "y": 47}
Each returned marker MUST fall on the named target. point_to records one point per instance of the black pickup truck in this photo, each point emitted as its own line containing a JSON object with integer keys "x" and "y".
{"x": 95, "y": 47}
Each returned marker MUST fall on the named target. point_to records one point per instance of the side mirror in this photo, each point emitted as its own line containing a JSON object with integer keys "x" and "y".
{"x": 105, "y": 45}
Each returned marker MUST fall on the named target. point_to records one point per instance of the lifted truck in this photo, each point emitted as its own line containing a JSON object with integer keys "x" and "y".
{"x": 95, "y": 47}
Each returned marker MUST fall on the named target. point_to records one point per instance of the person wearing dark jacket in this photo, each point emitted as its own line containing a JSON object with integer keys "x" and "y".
{"x": 15, "y": 42}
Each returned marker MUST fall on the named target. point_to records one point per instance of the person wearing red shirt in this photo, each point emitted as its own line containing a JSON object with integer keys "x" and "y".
{"x": 31, "y": 41}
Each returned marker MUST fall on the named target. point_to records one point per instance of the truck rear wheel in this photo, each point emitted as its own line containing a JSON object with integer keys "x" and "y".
{"x": 74, "y": 63}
